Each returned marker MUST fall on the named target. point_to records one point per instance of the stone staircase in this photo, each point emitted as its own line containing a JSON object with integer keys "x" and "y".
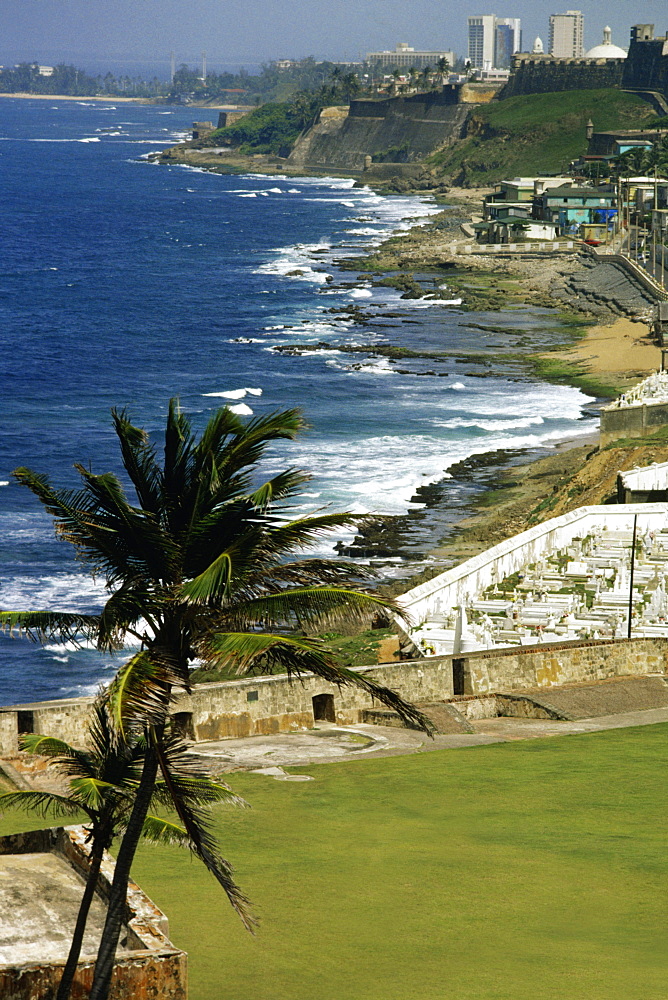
{"x": 604, "y": 287}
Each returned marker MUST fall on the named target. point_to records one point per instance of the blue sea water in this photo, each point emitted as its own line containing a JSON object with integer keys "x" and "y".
{"x": 123, "y": 283}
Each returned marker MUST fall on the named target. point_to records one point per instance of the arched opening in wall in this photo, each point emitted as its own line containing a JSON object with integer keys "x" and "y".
{"x": 25, "y": 722}
{"x": 182, "y": 724}
{"x": 323, "y": 708}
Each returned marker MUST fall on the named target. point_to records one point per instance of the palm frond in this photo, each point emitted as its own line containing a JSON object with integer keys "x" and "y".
{"x": 43, "y": 803}
{"x": 43, "y": 626}
{"x": 242, "y": 651}
{"x": 204, "y": 845}
{"x": 314, "y": 607}
{"x": 139, "y": 694}
{"x": 134, "y": 601}
{"x": 140, "y": 462}
{"x": 45, "y": 746}
{"x": 250, "y": 444}
{"x": 162, "y": 831}
{"x": 284, "y": 485}
{"x": 212, "y": 585}
{"x": 310, "y": 572}
{"x": 122, "y": 528}
{"x": 91, "y": 791}
{"x": 303, "y": 532}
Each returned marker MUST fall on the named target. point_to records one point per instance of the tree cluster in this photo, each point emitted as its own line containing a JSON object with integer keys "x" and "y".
{"x": 199, "y": 567}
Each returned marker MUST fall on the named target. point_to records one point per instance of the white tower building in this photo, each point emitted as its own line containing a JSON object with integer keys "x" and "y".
{"x": 481, "y": 41}
{"x": 567, "y": 35}
{"x": 493, "y": 41}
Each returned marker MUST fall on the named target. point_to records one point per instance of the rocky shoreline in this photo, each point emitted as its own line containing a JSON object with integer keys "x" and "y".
{"x": 498, "y": 493}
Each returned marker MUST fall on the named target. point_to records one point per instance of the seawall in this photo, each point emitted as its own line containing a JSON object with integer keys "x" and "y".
{"x": 400, "y": 130}
{"x": 265, "y": 705}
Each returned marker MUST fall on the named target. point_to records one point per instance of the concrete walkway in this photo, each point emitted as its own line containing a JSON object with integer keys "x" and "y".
{"x": 329, "y": 743}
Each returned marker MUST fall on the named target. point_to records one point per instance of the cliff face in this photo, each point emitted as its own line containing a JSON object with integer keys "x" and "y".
{"x": 398, "y": 130}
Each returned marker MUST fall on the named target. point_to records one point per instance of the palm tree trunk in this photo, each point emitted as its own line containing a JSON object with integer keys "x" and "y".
{"x": 65, "y": 985}
{"x": 116, "y": 909}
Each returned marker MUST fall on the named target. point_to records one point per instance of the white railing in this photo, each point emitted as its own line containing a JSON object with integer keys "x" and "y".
{"x": 539, "y": 246}
{"x": 463, "y": 583}
{"x": 651, "y": 477}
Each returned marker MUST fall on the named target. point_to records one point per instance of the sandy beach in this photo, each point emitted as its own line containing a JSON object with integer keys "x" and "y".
{"x": 80, "y": 97}
{"x": 621, "y": 347}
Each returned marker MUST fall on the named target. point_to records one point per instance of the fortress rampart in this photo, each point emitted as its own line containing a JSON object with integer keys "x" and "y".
{"x": 265, "y": 705}
{"x": 644, "y": 69}
{"x": 397, "y": 129}
{"x": 534, "y": 74}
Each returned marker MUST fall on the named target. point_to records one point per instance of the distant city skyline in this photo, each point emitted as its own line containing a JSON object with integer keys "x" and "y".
{"x": 140, "y": 34}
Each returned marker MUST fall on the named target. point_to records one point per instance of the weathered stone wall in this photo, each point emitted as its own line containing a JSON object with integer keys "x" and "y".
{"x": 226, "y": 118}
{"x": 565, "y": 663}
{"x": 264, "y": 705}
{"x": 646, "y": 66}
{"x": 632, "y": 421}
{"x": 144, "y": 976}
{"x": 409, "y": 127}
{"x": 149, "y": 966}
{"x": 533, "y": 74}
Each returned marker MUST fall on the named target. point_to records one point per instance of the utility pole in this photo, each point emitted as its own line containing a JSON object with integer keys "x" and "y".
{"x": 633, "y": 560}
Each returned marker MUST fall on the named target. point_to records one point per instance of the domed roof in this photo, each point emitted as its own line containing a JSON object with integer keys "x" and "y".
{"x": 606, "y": 50}
{"x": 538, "y": 49}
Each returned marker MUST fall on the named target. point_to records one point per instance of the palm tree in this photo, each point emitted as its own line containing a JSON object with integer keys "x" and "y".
{"x": 197, "y": 567}
{"x": 102, "y": 780}
{"x": 443, "y": 67}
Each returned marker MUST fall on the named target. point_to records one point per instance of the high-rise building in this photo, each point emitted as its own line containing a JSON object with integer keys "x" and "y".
{"x": 507, "y": 40}
{"x": 493, "y": 41}
{"x": 567, "y": 35}
{"x": 481, "y": 41}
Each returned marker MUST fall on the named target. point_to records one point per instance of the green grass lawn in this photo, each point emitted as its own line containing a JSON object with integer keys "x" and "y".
{"x": 526, "y": 871}
{"x": 536, "y": 133}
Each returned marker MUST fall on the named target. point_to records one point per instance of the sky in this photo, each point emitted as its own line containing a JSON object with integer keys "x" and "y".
{"x": 99, "y": 34}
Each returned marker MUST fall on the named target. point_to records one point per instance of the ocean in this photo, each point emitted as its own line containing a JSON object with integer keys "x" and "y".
{"x": 124, "y": 283}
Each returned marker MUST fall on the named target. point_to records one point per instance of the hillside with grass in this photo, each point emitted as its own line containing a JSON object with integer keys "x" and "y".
{"x": 535, "y": 134}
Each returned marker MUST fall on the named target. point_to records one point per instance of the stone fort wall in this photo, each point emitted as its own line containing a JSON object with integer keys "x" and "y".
{"x": 644, "y": 69}
{"x": 403, "y": 129}
{"x": 532, "y": 74}
{"x": 265, "y": 705}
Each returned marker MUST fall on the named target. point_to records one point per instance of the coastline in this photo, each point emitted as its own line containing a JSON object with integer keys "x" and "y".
{"x": 25, "y": 95}
{"x": 576, "y": 473}
{"x": 601, "y": 354}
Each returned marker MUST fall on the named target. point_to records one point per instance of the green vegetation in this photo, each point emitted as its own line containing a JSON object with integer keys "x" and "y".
{"x": 659, "y": 436}
{"x": 524, "y": 871}
{"x": 272, "y": 128}
{"x": 101, "y": 783}
{"x": 357, "y": 650}
{"x": 536, "y": 133}
{"x": 557, "y": 369}
{"x": 349, "y": 650}
{"x": 195, "y": 565}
